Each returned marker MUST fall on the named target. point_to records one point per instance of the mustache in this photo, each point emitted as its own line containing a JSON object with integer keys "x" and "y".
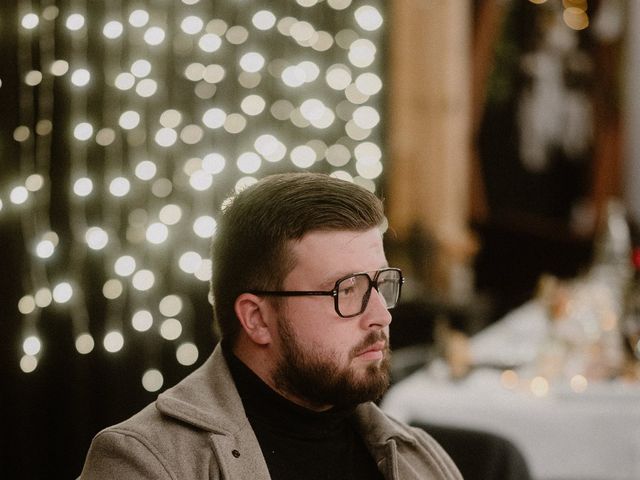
{"x": 371, "y": 339}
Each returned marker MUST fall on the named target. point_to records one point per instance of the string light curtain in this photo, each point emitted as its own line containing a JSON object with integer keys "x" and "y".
{"x": 137, "y": 119}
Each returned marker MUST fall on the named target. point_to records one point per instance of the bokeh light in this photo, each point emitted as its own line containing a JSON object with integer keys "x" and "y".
{"x": 152, "y": 380}
{"x": 113, "y": 341}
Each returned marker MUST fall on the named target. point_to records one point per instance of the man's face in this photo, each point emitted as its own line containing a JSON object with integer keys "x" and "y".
{"x": 325, "y": 359}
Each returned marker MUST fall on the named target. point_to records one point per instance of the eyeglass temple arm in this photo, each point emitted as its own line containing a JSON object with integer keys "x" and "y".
{"x": 293, "y": 293}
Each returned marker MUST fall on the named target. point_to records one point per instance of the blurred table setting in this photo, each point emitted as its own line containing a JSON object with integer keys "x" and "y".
{"x": 558, "y": 376}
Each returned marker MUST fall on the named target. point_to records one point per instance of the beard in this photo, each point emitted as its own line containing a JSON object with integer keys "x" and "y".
{"x": 317, "y": 377}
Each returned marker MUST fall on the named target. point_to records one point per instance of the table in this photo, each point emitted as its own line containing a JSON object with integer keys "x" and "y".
{"x": 594, "y": 434}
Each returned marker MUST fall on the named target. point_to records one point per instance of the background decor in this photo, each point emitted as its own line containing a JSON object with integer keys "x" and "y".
{"x": 125, "y": 126}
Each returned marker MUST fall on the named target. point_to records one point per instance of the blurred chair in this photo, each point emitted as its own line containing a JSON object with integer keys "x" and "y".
{"x": 480, "y": 455}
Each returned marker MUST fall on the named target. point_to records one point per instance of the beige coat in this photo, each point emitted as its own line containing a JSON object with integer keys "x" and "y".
{"x": 198, "y": 430}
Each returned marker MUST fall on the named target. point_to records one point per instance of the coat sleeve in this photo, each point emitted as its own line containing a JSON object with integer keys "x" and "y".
{"x": 122, "y": 454}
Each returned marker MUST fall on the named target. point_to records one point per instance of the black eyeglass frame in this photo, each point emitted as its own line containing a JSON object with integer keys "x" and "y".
{"x": 373, "y": 283}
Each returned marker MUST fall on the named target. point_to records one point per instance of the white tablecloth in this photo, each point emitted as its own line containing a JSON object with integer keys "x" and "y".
{"x": 563, "y": 435}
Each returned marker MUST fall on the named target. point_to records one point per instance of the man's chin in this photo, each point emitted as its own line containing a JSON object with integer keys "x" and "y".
{"x": 372, "y": 375}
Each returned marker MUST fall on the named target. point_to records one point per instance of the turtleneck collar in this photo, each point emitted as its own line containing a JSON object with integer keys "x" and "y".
{"x": 268, "y": 407}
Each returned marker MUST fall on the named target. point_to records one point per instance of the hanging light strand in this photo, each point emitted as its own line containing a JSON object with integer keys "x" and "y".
{"x": 35, "y": 275}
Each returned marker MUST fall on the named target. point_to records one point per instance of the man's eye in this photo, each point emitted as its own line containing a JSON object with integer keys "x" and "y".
{"x": 347, "y": 291}
{"x": 347, "y": 287}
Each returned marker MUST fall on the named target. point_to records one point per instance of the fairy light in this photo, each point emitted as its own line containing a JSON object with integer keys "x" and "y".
{"x": 166, "y": 137}
{"x": 75, "y": 22}
{"x": 31, "y": 345}
{"x": 368, "y": 83}
{"x": 19, "y": 195}
{"x": 96, "y": 238}
{"x": 162, "y": 187}
{"x": 139, "y": 18}
{"x": 303, "y": 156}
{"x": 143, "y": 280}
{"x": 112, "y": 289}
{"x": 33, "y": 78}
{"x": 213, "y": 163}
{"x": 368, "y": 18}
{"x": 152, "y": 380}
{"x": 249, "y": 162}
{"x": 125, "y": 81}
{"x": 113, "y": 341}
{"x": 203, "y": 273}
{"x": 142, "y": 320}
{"x": 119, "y": 186}
{"x": 105, "y": 136}
{"x": 28, "y": 363}
{"x": 59, "y": 68}
{"x": 204, "y": 226}
{"x": 26, "y": 304}
{"x": 129, "y": 120}
{"x": 235, "y": 123}
{"x": 157, "y": 233}
{"x": 187, "y": 354}
{"x": 171, "y": 329}
{"x": 80, "y": 77}
{"x": 83, "y": 187}
{"x": 214, "y": 118}
{"x": 84, "y": 343}
{"x": 190, "y": 261}
{"x": 43, "y": 297}
{"x": 237, "y": 35}
{"x": 125, "y": 265}
{"x": 263, "y": 20}
{"x": 574, "y": 13}
{"x": 342, "y": 175}
{"x": 45, "y": 248}
{"x": 578, "y": 383}
{"x": 252, "y": 62}
{"x": 209, "y": 42}
{"x": 150, "y": 166}
{"x": 30, "y": 21}
{"x": 83, "y": 131}
{"x": 170, "y": 214}
{"x": 113, "y": 29}
{"x": 539, "y": 386}
{"x": 192, "y": 25}
{"x": 170, "y": 306}
{"x": 293, "y": 76}
{"x": 62, "y": 292}
{"x": 310, "y": 69}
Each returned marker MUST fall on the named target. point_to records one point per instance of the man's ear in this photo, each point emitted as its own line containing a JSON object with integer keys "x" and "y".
{"x": 253, "y": 313}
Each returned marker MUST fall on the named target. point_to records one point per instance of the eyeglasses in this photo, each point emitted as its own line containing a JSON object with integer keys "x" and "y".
{"x": 351, "y": 293}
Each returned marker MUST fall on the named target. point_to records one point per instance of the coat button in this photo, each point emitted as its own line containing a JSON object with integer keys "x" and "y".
{"x": 235, "y": 453}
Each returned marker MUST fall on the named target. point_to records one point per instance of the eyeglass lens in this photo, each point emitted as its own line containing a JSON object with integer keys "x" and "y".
{"x": 354, "y": 291}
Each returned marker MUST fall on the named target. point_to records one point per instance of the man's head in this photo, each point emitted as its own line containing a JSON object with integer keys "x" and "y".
{"x": 302, "y": 289}
{"x": 251, "y": 249}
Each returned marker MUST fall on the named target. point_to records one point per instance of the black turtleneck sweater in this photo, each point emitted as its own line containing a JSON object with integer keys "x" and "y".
{"x": 300, "y": 443}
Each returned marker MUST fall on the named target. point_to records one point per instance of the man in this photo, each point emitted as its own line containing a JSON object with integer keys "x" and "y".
{"x": 301, "y": 291}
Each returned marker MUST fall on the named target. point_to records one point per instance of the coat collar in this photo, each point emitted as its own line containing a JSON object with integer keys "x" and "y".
{"x": 208, "y": 399}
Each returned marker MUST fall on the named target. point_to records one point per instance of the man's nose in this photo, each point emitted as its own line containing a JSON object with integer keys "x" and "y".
{"x": 376, "y": 314}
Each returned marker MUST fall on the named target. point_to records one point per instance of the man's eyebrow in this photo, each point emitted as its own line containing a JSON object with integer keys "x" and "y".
{"x": 330, "y": 282}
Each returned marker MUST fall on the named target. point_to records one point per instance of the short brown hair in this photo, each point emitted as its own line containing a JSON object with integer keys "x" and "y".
{"x": 249, "y": 250}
